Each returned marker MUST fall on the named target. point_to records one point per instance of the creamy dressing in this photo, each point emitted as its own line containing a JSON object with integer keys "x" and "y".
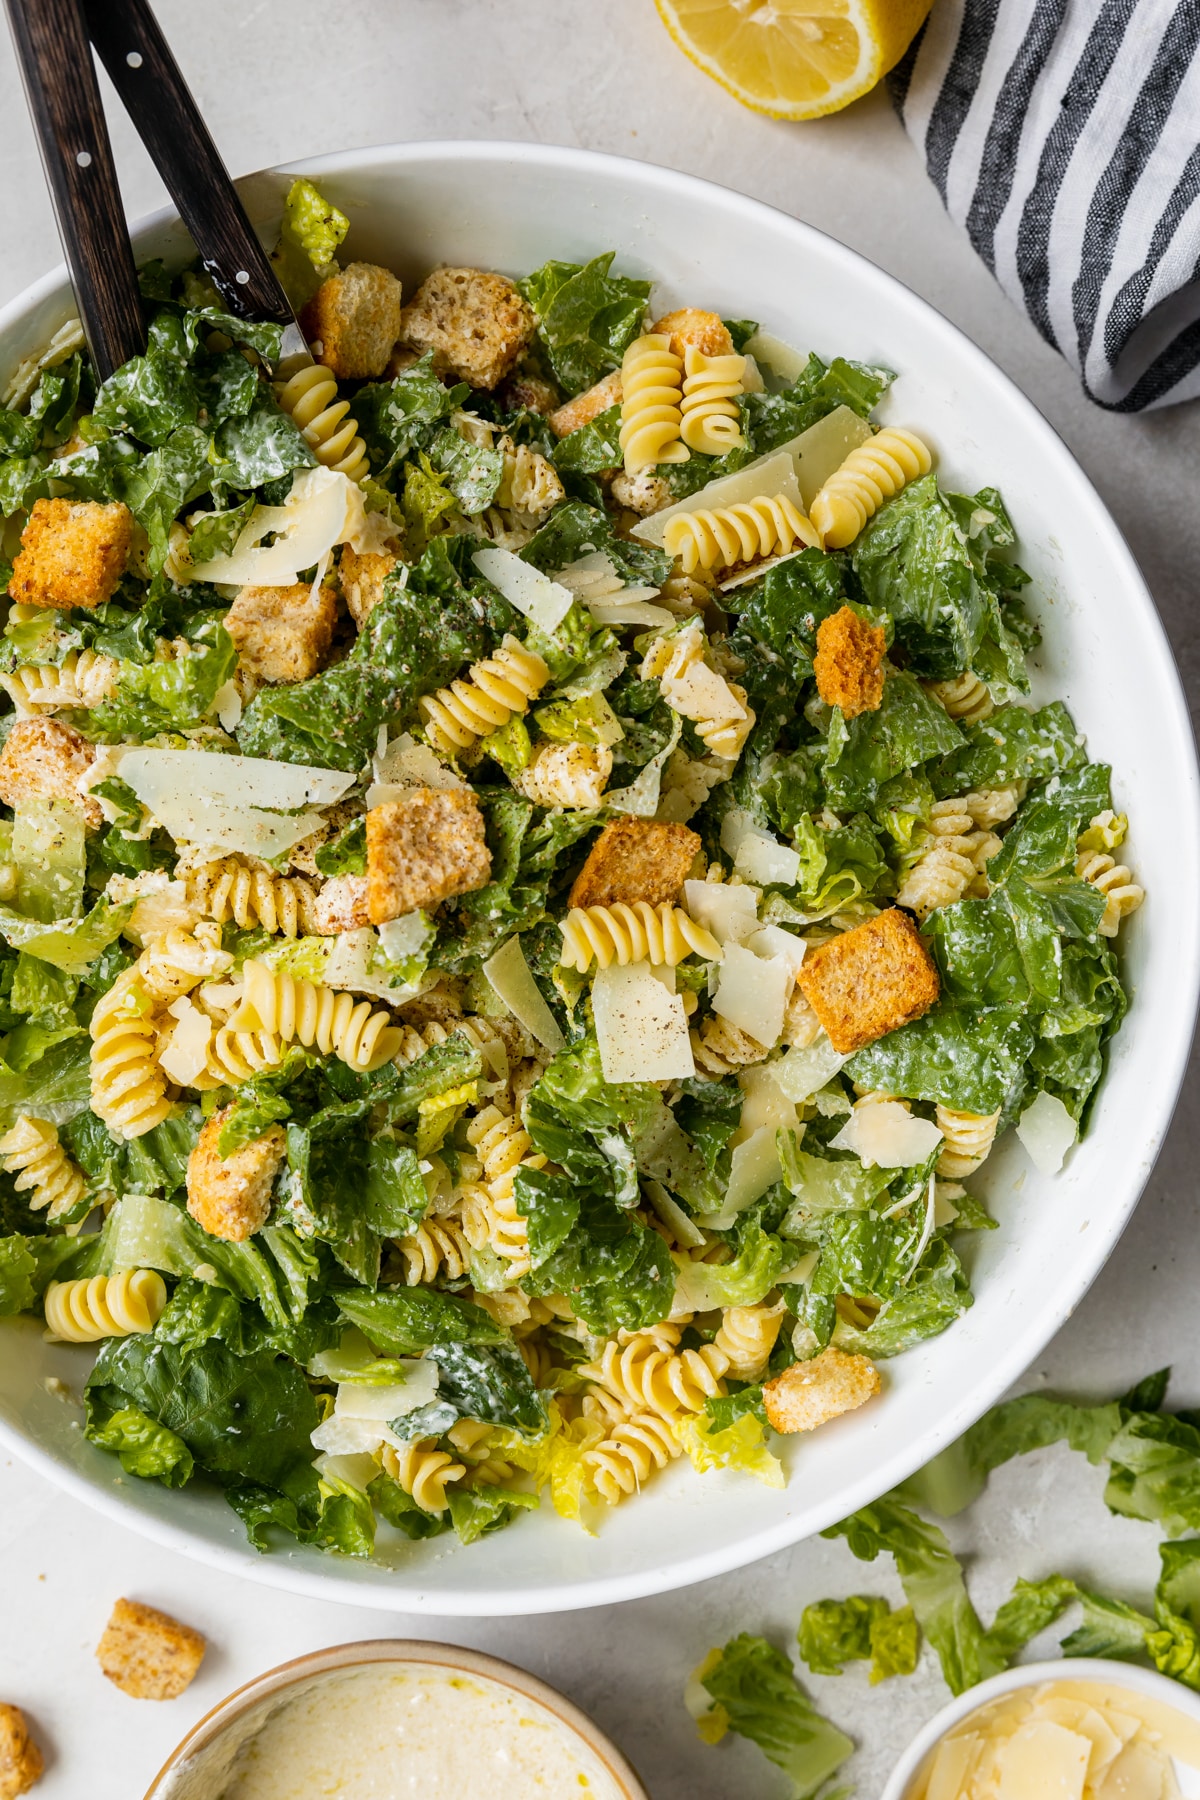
{"x": 421, "y": 1730}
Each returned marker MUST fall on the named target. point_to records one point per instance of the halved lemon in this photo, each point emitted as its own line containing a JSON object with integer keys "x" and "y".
{"x": 794, "y": 59}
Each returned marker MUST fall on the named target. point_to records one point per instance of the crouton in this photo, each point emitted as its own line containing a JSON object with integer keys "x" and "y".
{"x": 282, "y": 633}
{"x": 423, "y": 848}
{"x": 808, "y": 1394}
{"x": 73, "y": 553}
{"x": 353, "y": 321}
{"x": 45, "y": 760}
{"x": 643, "y": 493}
{"x": 849, "y": 663}
{"x": 341, "y": 905}
{"x": 362, "y": 577}
{"x": 870, "y": 980}
{"x": 692, "y": 328}
{"x": 148, "y": 1654}
{"x": 476, "y": 323}
{"x": 636, "y": 859}
{"x": 586, "y": 407}
{"x": 230, "y": 1197}
{"x": 20, "y": 1759}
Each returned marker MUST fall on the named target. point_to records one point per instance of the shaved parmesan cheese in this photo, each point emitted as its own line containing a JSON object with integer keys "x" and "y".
{"x": 752, "y": 992}
{"x": 886, "y": 1135}
{"x": 322, "y": 509}
{"x": 802, "y": 1073}
{"x": 636, "y": 612}
{"x": 184, "y": 1057}
{"x": 756, "y": 854}
{"x": 160, "y": 904}
{"x": 1042, "y": 1761}
{"x": 700, "y": 693}
{"x": 754, "y": 1167}
{"x": 233, "y": 802}
{"x": 360, "y": 1420}
{"x": 773, "y": 940}
{"x": 355, "y": 1471}
{"x": 545, "y": 603}
{"x": 773, "y": 474}
{"x": 511, "y": 980}
{"x": 823, "y": 448}
{"x": 227, "y": 704}
{"x": 405, "y": 763}
{"x": 354, "y": 963}
{"x": 1047, "y": 1131}
{"x": 801, "y": 1272}
{"x": 681, "y": 1227}
{"x": 782, "y": 360}
{"x": 640, "y": 1027}
{"x": 729, "y": 912}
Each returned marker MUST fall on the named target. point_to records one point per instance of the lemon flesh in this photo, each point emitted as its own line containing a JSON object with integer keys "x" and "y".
{"x": 794, "y": 59}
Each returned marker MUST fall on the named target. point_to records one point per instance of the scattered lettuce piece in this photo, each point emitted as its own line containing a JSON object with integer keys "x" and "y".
{"x": 754, "y": 1692}
{"x": 587, "y": 317}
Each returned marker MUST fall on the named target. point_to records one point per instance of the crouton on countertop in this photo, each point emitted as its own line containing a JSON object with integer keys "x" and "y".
{"x": 808, "y": 1394}
{"x": 20, "y": 1759}
{"x": 45, "y": 760}
{"x": 230, "y": 1197}
{"x": 636, "y": 859}
{"x": 692, "y": 328}
{"x": 476, "y": 323}
{"x": 362, "y": 576}
{"x": 422, "y": 848}
{"x": 849, "y": 663}
{"x": 353, "y": 321}
{"x": 870, "y": 980}
{"x": 73, "y": 553}
{"x": 341, "y": 905}
{"x": 148, "y": 1654}
{"x": 282, "y": 633}
{"x": 586, "y": 407}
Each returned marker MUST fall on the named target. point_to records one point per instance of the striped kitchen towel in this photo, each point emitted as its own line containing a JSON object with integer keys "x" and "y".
{"x": 1064, "y": 136}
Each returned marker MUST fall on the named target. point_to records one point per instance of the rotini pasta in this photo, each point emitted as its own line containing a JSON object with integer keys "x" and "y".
{"x": 493, "y": 690}
{"x": 1113, "y": 879}
{"x": 646, "y": 1369}
{"x": 710, "y": 419}
{"x": 870, "y": 475}
{"x": 746, "y": 1336}
{"x": 176, "y": 962}
{"x": 719, "y": 538}
{"x": 634, "y": 1447}
{"x": 437, "y": 1246}
{"x": 967, "y": 1138}
{"x": 82, "y": 1312}
{"x": 129, "y": 1090}
{"x": 568, "y": 775}
{"x": 250, "y": 893}
{"x": 474, "y": 1441}
{"x": 423, "y": 1471}
{"x": 684, "y": 594}
{"x": 318, "y": 1017}
{"x": 626, "y": 934}
{"x": 30, "y": 1150}
{"x": 234, "y": 1056}
{"x": 82, "y": 680}
{"x": 965, "y": 698}
{"x": 529, "y": 486}
{"x": 310, "y": 399}
{"x": 651, "y": 404}
{"x": 717, "y": 708}
{"x": 955, "y": 855}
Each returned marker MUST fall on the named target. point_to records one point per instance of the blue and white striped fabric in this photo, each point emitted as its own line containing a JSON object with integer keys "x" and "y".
{"x": 1064, "y": 136}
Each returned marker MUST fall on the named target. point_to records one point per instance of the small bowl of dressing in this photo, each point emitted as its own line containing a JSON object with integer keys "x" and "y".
{"x": 394, "y": 1717}
{"x": 1077, "y": 1729}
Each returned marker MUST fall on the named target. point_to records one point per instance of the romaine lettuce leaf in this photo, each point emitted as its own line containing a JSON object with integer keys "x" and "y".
{"x": 742, "y": 1444}
{"x": 479, "y": 1381}
{"x": 616, "y": 1272}
{"x": 908, "y": 728}
{"x": 833, "y": 1633}
{"x": 819, "y": 389}
{"x": 574, "y": 529}
{"x": 755, "y": 1693}
{"x": 397, "y": 417}
{"x": 587, "y": 317}
{"x": 144, "y": 1447}
{"x": 402, "y": 1321}
{"x": 477, "y": 1511}
{"x": 591, "y": 448}
{"x": 934, "y": 1296}
{"x": 1014, "y": 744}
{"x": 473, "y": 472}
{"x": 965, "y": 1057}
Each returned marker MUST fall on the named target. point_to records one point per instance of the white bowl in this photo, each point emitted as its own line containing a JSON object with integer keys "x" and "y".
{"x": 511, "y": 207}
{"x": 201, "y": 1764}
{"x": 1145, "y": 1682}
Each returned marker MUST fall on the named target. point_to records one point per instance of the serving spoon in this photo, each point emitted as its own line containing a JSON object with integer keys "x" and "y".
{"x": 53, "y": 41}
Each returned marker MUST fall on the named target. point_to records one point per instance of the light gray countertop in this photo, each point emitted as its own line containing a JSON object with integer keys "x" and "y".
{"x": 283, "y": 81}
